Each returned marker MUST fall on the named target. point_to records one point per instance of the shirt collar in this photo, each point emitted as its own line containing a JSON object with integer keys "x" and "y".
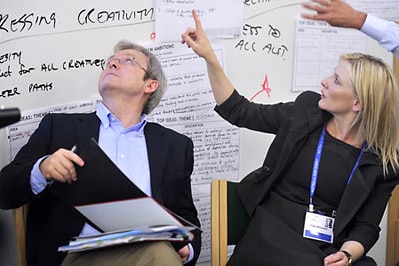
{"x": 105, "y": 117}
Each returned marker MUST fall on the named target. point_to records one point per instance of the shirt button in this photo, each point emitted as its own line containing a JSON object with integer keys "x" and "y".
{"x": 122, "y": 156}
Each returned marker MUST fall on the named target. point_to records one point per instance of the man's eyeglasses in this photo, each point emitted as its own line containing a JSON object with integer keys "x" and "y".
{"x": 126, "y": 60}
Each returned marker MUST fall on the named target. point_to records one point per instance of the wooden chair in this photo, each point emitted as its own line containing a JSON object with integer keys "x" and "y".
{"x": 229, "y": 219}
{"x": 20, "y": 215}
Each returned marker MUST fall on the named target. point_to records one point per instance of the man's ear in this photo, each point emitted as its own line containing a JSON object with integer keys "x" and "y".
{"x": 152, "y": 86}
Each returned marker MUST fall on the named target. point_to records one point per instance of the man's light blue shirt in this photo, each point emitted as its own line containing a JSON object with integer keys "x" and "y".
{"x": 125, "y": 147}
{"x": 383, "y": 31}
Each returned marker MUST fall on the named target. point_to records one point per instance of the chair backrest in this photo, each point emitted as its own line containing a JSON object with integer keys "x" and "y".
{"x": 20, "y": 215}
{"x": 229, "y": 219}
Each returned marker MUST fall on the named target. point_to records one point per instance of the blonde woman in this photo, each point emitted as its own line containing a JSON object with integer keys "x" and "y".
{"x": 322, "y": 190}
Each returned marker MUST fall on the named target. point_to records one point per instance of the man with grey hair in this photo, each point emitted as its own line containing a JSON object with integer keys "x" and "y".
{"x": 156, "y": 159}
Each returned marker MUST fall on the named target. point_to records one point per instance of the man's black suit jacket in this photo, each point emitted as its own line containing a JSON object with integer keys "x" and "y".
{"x": 50, "y": 223}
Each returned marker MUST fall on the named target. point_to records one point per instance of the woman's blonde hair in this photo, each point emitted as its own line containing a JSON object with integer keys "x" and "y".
{"x": 378, "y": 119}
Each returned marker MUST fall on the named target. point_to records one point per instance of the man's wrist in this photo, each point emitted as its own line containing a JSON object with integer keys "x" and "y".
{"x": 359, "y": 20}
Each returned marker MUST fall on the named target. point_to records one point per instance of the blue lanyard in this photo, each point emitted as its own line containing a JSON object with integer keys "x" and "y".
{"x": 316, "y": 163}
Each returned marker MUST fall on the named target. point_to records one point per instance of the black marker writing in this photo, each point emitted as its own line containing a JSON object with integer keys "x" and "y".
{"x": 93, "y": 16}
{"x": 26, "y": 22}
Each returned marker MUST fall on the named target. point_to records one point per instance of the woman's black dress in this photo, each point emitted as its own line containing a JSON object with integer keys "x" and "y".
{"x": 277, "y": 225}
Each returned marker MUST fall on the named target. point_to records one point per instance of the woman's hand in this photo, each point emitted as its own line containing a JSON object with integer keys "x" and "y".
{"x": 197, "y": 39}
{"x": 337, "y": 259}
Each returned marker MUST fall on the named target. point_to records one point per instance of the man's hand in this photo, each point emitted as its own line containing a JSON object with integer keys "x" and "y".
{"x": 336, "y": 13}
{"x": 60, "y": 166}
{"x": 184, "y": 253}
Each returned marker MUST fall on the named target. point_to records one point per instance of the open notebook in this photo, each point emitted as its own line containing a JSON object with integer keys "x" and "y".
{"x": 127, "y": 214}
{"x": 116, "y": 207}
{"x": 129, "y": 221}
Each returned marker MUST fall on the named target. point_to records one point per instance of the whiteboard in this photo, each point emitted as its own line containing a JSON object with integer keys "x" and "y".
{"x": 52, "y": 53}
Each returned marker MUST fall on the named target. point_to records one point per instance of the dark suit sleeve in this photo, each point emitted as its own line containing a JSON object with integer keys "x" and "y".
{"x": 176, "y": 181}
{"x": 186, "y": 206}
{"x": 364, "y": 227}
{"x": 54, "y": 131}
{"x": 15, "y": 189}
{"x": 193, "y": 217}
{"x": 260, "y": 117}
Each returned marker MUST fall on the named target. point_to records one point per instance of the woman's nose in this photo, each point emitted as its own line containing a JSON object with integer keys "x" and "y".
{"x": 324, "y": 83}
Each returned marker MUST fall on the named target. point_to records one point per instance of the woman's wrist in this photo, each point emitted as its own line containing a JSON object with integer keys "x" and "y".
{"x": 349, "y": 256}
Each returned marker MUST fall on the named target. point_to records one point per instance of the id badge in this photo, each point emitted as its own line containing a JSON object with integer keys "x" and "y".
{"x": 318, "y": 227}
